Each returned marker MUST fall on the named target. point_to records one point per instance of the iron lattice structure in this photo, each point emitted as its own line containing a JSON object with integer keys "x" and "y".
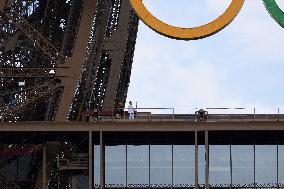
{"x": 59, "y": 58}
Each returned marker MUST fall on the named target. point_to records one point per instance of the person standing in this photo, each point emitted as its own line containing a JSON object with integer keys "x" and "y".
{"x": 130, "y": 111}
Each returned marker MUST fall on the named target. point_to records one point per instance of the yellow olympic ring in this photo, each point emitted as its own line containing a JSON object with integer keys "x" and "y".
{"x": 187, "y": 33}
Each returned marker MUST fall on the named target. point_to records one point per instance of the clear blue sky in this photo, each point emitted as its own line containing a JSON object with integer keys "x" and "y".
{"x": 241, "y": 66}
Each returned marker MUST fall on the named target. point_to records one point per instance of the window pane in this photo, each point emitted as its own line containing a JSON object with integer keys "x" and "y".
{"x": 219, "y": 165}
{"x": 201, "y": 164}
{"x": 242, "y": 164}
{"x": 97, "y": 165}
{"x": 184, "y": 161}
{"x": 115, "y": 165}
{"x": 138, "y": 165}
{"x": 161, "y": 164}
{"x": 281, "y": 164}
{"x": 266, "y": 164}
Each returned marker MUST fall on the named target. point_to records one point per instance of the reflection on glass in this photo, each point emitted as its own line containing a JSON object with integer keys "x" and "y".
{"x": 115, "y": 165}
{"x": 137, "y": 165}
{"x": 97, "y": 165}
{"x": 219, "y": 165}
{"x": 161, "y": 164}
{"x": 201, "y": 164}
{"x": 184, "y": 162}
{"x": 242, "y": 164}
{"x": 266, "y": 164}
{"x": 281, "y": 164}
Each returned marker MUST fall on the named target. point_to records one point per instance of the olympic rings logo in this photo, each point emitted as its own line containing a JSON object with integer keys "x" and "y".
{"x": 205, "y": 30}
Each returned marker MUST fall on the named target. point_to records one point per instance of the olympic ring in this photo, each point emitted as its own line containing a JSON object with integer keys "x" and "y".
{"x": 187, "y": 33}
{"x": 274, "y": 10}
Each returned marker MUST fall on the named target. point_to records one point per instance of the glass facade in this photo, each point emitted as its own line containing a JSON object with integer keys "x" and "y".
{"x": 219, "y": 165}
{"x": 201, "y": 164}
{"x": 161, "y": 164}
{"x": 96, "y": 165}
{"x": 183, "y": 164}
{"x": 115, "y": 165}
{"x": 281, "y": 165}
{"x": 242, "y": 164}
{"x": 137, "y": 165}
{"x": 230, "y": 164}
{"x": 265, "y": 164}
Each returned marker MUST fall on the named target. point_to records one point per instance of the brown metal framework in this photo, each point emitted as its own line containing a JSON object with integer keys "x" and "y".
{"x": 59, "y": 58}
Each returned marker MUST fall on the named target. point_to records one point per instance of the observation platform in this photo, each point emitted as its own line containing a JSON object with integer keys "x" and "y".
{"x": 81, "y": 144}
{"x": 158, "y": 122}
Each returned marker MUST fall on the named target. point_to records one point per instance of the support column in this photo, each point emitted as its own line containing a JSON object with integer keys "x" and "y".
{"x": 196, "y": 160}
{"x": 116, "y": 45}
{"x": 91, "y": 160}
{"x": 231, "y": 166}
{"x": 102, "y": 162}
{"x": 44, "y": 182}
{"x": 207, "y": 160}
{"x": 75, "y": 62}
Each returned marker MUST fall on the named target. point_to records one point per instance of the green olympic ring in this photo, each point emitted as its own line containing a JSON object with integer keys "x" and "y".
{"x": 274, "y": 10}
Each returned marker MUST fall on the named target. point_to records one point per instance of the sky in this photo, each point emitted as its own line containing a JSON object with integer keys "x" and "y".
{"x": 239, "y": 67}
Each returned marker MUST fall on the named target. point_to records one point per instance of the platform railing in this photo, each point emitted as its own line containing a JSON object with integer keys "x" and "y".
{"x": 189, "y": 186}
{"x": 170, "y": 115}
{"x": 146, "y": 114}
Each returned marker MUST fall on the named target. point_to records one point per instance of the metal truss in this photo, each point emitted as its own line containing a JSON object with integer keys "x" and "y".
{"x": 23, "y": 99}
{"x": 27, "y": 72}
{"x": 105, "y": 80}
{"x": 42, "y": 154}
{"x": 10, "y": 14}
{"x": 36, "y": 37}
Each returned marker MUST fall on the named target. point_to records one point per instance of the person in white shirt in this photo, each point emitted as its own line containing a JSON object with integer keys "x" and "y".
{"x": 130, "y": 111}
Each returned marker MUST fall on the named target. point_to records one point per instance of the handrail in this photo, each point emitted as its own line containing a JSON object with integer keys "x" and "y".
{"x": 121, "y": 114}
{"x": 149, "y": 117}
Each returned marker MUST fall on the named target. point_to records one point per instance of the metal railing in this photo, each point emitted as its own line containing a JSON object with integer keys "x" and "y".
{"x": 191, "y": 186}
{"x": 170, "y": 115}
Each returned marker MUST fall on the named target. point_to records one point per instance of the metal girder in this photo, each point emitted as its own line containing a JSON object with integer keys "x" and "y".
{"x": 28, "y": 97}
{"x": 90, "y": 32}
{"x": 116, "y": 45}
{"x": 105, "y": 80}
{"x": 94, "y": 54}
{"x": 27, "y": 72}
{"x": 2, "y": 5}
{"x": 52, "y": 52}
{"x": 77, "y": 61}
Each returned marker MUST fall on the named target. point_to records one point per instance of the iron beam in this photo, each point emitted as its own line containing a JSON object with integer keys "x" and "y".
{"x": 76, "y": 61}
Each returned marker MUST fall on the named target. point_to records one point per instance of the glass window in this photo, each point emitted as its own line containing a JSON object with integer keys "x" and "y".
{"x": 219, "y": 165}
{"x": 281, "y": 164}
{"x": 97, "y": 166}
{"x": 201, "y": 164}
{"x": 184, "y": 162}
{"x": 266, "y": 164}
{"x": 137, "y": 165}
{"x": 161, "y": 164}
{"x": 115, "y": 165}
{"x": 243, "y": 164}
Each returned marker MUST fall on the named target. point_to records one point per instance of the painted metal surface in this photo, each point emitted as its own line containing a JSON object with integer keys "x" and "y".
{"x": 187, "y": 33}
{"x": 275, "y": 11}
